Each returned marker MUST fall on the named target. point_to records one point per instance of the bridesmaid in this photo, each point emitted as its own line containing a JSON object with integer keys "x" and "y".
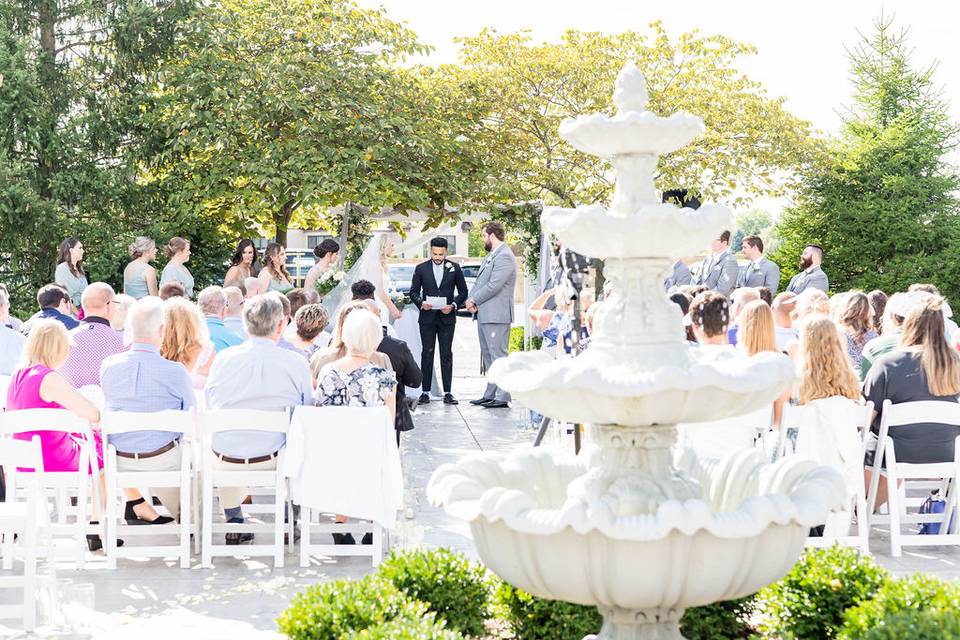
{"x": 274, "y": 275}
{"x": 139, "y": 278}
{"x": 244, "y": 264}
{"x": 70, "y": 274}
{"x": 178, "y": 250}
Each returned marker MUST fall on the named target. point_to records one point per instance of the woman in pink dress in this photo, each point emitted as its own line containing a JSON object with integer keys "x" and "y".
{"x": 38, "y": 386}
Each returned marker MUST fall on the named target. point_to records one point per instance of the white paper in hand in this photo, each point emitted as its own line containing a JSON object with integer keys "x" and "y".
{"x": 436, "y": 302}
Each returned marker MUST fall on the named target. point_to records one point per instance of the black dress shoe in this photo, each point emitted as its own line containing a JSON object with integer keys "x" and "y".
{"x": 424, "y": 398}
{"x": 497, "y": 404}
{"x": 235, "y": 537}
{"x": 94, "y": 543}
{"x": 343, "y": 538}
{"x": 367, "y": 538}
{"x": 449, "y": 399}
{"x": 481, "y": 401}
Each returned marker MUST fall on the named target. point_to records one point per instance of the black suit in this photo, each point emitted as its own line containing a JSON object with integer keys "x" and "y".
{"x": 408, "y": 375}
{"x": 436, "y": 326}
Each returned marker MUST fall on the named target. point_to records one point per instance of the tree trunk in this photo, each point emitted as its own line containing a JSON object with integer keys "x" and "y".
{"x": 344, "y": 232}
{"x": 281, "y": 220}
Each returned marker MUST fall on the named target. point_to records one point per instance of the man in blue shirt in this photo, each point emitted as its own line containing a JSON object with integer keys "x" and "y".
{"x": 141, "y": 380}
{"x": 213, "y": 305}
{"x": 257, "y": 374}
{"x": 54, "y": 302}
{"x": 11, "y": 342}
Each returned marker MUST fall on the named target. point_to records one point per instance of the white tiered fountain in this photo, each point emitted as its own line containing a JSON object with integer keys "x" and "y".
{"x": 631, "y": 528}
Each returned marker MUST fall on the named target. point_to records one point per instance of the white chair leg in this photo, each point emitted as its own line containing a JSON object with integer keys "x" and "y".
{"x": 895, "y": 506}
{"x": 377, "y": 544}
{"x": 207, "y": 523}
{"x": 279, "y": 508}
{"x": 863, "y": 525}
{"x": 306, "y": 518}
{"x": 186, "y": 508}
{"x": 30, "y": 549}
{"x": 82, "y": 516}
{"x": 110, "y": 515}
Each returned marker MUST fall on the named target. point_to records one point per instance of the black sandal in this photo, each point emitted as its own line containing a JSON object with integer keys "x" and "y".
{"x": 133, "y": 519}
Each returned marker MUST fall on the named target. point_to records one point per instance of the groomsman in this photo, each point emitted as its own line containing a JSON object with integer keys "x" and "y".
{"x": 437, "y": 278}
{"x": 492, "y": 301}
{"x": 811, "y": 275}
{"x": 760, "y": 272}
{"x": 719, "y": 270}
{"x": 680, "y": 276}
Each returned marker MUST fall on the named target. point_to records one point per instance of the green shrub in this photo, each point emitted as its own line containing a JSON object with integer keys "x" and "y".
{"x": 917, "y": 593}
{"x": 516, "y": 339}
{"x": 449, "y": 584}
{"x": 809, "y": 602}
{"x": 535, "y": 618}
{"x": 917, "y": 625}
{"x": 331, "y": 610}
{"x": 426, "y": 628}
{"x": 728, "y": 620}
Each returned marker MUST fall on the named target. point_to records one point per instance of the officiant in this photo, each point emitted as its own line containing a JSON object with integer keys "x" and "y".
{"x": 432, "y": 290}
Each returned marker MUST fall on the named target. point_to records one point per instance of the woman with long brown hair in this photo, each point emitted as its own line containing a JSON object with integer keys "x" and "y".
{"x": 853, "y": 314}
{"x": 186, "y": 339}
{"x": 757, "y": 334}
{"x": 244, "y": 264}
{"x": 274, "y": 275}
{"x": 70, "y": 274}
{"x": 924, "y": 368}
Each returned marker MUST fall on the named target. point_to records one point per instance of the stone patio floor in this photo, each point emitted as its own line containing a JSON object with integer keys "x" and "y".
{"x": 241, "y": 598}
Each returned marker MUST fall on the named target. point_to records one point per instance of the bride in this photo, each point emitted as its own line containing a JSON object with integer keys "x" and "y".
{"x": 372, "y": 266}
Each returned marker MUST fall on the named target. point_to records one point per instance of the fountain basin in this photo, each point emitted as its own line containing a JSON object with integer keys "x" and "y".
{"x": 538, "y": 535}
{"x": 632, "y": 389}
{"x": 653, "y": 230}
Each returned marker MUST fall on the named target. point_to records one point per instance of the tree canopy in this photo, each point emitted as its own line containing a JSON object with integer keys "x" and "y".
{"x": 884, "y": 205}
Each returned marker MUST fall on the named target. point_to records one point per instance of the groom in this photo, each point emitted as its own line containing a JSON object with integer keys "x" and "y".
{"x": 437, "y": 278}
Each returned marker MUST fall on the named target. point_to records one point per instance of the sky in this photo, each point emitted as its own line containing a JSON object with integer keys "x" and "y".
{"x": 801, "y": 54}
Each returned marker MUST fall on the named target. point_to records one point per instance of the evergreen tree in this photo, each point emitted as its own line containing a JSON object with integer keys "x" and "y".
{"x": 883, "y": 204}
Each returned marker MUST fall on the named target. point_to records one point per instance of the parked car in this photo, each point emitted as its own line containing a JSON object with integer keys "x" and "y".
{"x": 299, "y": 262}
{"x": 401, "y": 275}
{"x": 470, "y": 270}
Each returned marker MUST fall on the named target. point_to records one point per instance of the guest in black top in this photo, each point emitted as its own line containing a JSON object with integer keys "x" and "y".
{"x": 438, "y": 277}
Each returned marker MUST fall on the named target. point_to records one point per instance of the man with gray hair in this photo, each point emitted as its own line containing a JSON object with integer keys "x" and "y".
{"x": 233, "y": 315}
{"x": 142, "y": 381}
{"x": 213, "y": 305}
{"x": 256, "y": 374}
{"x": 252, "y": 287}
{"x": 11, "y": 341}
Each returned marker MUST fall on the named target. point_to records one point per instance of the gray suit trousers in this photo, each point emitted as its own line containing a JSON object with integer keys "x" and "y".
{"x": 494, "y": 342}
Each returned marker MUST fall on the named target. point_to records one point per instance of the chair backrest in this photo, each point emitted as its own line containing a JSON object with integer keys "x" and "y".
{"x": 129, "y": 421}
{"x": 42, "y": 420}
{"x": 4, "y": 383}
{"x": 350, "y": 417}
{"x": 20, "y": 454}
{"x": 215, "y": 420}
{"x": 935, "y": 411}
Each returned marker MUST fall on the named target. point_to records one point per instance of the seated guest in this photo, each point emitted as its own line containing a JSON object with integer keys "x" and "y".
{"x": 895, "y": 312}
{"x": 924, "y": 368}
{"x": 94, "y": 340}
{"x": 37, "y": 385}
{"x": 709, "y": 319}
{"x": 172, "y": 290}
{"x": 354, "y": 381}
{"x": 362, "y": 290}
{"x": 309, "y": 322}
{"x": 54, "y": 302}
{"x": 185, "y": 339}
{"x": 878, "y": 303}
{"x": 950, "y": 327}
{"x": 121, "y": 305}
{"x": 782, "y": 307}
{"x": 853, "y": 315}
{"x": 811, "y": 302}
{"x": 141, "y": 380}
{"x": 213, "y": 305}
{"x": 825, "y": 371}
{"x": 683, "y": 301}
{"x": 233, "y": 316}
{"x": 298, "y": 298}
{"x": 407, "y": 371}
{"x": 756, "y": 335}
{"x": 739, "y": 299}
{"x": 11, "y": 341}
{"x": 766, "y": 295}
{"x": 272, "y": 379}
{"x": 336, "y": 348}
{"x": 6, "y": 319}
{"x": 251, "y": 287}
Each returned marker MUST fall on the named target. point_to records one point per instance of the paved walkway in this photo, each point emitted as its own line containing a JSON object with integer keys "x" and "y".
{"x": 241, "y": 598}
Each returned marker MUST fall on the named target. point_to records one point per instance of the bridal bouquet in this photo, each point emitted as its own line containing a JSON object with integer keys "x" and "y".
{"x": 399, "y": 300}
{"x": 328, "y": 280}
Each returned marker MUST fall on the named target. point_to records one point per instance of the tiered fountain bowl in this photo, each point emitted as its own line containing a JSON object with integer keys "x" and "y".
{"x": 634, "y": 528}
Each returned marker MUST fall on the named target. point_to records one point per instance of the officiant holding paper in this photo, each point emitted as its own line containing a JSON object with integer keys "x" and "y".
{"x": 432, "y": 290}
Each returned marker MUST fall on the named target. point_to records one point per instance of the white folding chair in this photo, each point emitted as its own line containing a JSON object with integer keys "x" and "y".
{"x": 4, "y": 383}
{"x": 368, "y": 425}
{"x": 837, "y": 526}
{"x": 115, "y": 422}
{"x": 215, "y": 421}
{"x": 27, "y": 519}
{"x": 64, "y": 485}
{"x": 900, "y": 476}
{"x": 720, "y": 438}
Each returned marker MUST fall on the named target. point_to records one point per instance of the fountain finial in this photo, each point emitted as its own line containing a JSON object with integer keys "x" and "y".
{"x": 630, "y": 90}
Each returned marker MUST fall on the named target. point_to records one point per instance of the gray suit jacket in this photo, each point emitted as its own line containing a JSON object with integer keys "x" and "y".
{"x": 493, "y": 290}
{"x": 766, "y": 274}
{"x": 812, "y": 278}
{"x": 679, "y": 277}
{"x": 721, "y": 275}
